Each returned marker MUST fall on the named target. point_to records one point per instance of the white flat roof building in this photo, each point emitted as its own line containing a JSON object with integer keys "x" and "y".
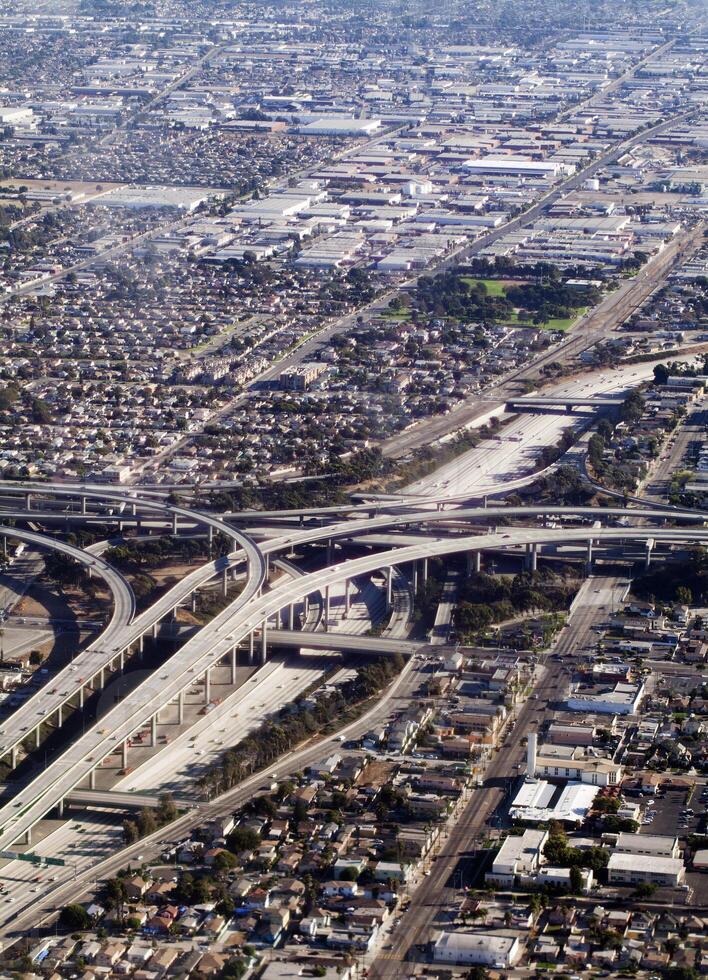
{"x": 655, "y": 845}
{"x": 498, "y": 952}
{"x": 518, "y": 855}
{"x": 633, "y": 869}
{"x": 515, "y": 167}
{"x": 534, "y": 801}
{"x": 340, "y": 126}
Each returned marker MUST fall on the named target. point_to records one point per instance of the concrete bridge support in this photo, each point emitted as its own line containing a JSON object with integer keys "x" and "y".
{"x": 264, "y": 641}
{"x": 649, "y": 547}
{"x": 532, "y": 557}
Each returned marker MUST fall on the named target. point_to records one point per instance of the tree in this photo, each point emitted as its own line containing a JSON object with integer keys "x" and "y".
{"x": 576, "y": 880}
{"x": 243, "y": 839}
{"x": 75, "y": 916}
{"x": 684, "y": 595}
{"x": 477, "y": 973}
{"x": 115, "y": 894}
{"x": 661, "y": 374}
{"x": 166, "y": 810}
{"x": 130, "y": 831}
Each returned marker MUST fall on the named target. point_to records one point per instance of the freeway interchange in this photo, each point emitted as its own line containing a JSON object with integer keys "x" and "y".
{"x": 266, "y": 604}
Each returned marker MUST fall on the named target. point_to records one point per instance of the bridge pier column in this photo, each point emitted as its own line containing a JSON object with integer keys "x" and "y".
{"x": 291, "y": 616}
{"x": 207, "y": 685}
{"x": 531, "y": 557}
{"x": 330, "y": 549}
{"x": 211, "y": 536}
{"x": 174, "y": 525}
{"x": 264, "y": 641}
{"x": 649, "y": 547}
{"x": 251, "y": 651}
{"x": 225, "y": 583}
{"x": 125, "y": 754}
{"x": 327, "y": 599}
{"x": 81, "y": 696}
{"x": 414, "y": 577}
{"x": 92, "y": 779}
{"x": 60, "y": 716}
{"x": 194, "y": 601}
{"x": 180, "y": 708}
{"x": 141, "y": 643}
{"x": 28, "y": 501}
{"x": 60, "y": 809}
{"x": 28, "y": 836}
{"x": 101, "y": 679}
{"x": 13, "y": 757}
{"x": 37, "y": 736}
{"x": 234, "y": 653}
{"x": 83, "y": 505}
{"x": 389, "y": 587}
{"x": 485, "y": 501}
{"x": 305, "y": 607}
{"x": 425, "y": 570}
{"x": 153, "y": 731}
{"x": 347, "y": 597}
{"x": 588, "y": 559}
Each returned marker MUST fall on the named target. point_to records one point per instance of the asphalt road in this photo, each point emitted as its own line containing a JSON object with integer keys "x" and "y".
{"x": 457, "y": 853}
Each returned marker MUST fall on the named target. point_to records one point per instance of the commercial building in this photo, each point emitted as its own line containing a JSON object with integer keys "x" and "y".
{"x": 503, "y": 166}
{"x": 635, "y": 869}
{"x": 539, "y": 801}
{"x": 301, "y": 376}
{"x": 469, "y": 948}
{"x": 650, "y": 845}
{"x": 622, "y": 699}
{"x": 518, "y": 856}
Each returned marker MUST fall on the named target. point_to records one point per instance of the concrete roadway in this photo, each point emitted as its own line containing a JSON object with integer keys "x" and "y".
{"x": 492, "y": 465}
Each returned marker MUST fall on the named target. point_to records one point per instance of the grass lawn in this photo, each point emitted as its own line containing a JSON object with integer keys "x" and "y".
{"x": 495, "y": 287}
{"x": 402, "y": 314}
{"x": 557, "y": 323}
